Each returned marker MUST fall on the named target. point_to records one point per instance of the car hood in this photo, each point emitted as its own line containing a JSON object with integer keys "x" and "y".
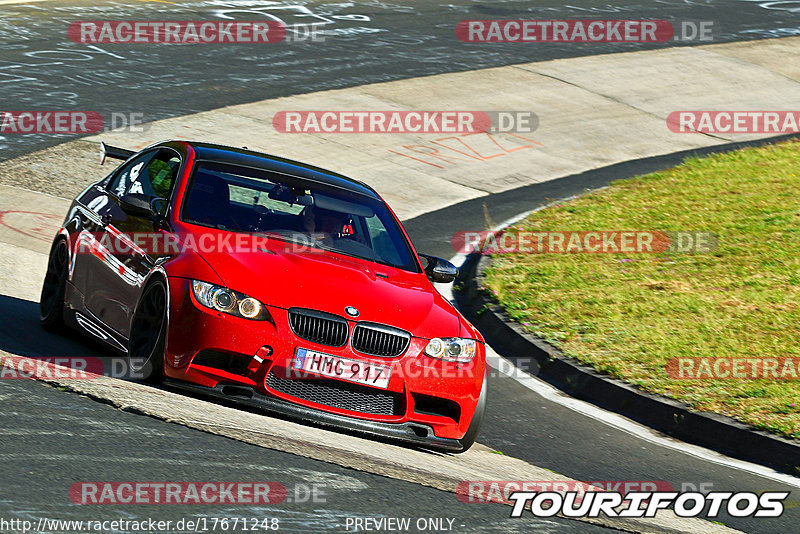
{"x": 329, "y": 282}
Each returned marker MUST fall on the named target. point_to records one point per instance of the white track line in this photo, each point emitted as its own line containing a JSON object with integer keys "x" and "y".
{"x": 611, "y": 419}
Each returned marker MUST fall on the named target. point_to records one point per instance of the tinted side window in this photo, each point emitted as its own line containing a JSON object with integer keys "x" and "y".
{"x": 128, "y": 175}
{"x": 162, "y": 172}
{"x": 152, "y": 174}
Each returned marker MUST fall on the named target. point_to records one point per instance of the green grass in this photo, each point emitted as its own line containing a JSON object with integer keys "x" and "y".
{"x": 628, "y": 314}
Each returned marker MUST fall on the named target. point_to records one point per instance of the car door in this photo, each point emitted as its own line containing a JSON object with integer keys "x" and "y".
{"x": 125, "y": 260}
{"x": 101, "y": 271}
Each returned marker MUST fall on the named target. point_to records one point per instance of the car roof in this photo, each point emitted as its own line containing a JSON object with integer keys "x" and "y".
{"x": 259, "y": 160}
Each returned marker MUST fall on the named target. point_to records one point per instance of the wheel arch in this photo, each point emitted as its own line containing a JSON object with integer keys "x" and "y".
{"x": 157, "y": 274}
{"x": 62, "y": 235}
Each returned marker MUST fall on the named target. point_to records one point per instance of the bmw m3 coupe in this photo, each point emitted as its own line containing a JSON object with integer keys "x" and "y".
{"x": 269, "y": 283}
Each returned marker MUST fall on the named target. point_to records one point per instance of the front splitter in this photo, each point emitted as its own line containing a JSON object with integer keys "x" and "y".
{"x": 411, "y": 433}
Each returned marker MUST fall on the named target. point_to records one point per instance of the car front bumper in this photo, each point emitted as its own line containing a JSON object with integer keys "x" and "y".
{"x": 411, "y": 433}
{"x": 433, "y": 400}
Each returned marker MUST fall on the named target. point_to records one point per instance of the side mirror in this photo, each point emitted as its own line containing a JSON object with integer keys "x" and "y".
{"x": 160, "y": 207}
{"x": 439, "y": 270}
{"x": 139, "y": 205}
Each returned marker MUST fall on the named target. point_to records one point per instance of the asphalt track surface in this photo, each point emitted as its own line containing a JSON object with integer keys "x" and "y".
{"x": 58, "y": 443}
{"x": 51, "y": 439}
{"x": 365, "y": 42}
{"x": 86, "y": 440}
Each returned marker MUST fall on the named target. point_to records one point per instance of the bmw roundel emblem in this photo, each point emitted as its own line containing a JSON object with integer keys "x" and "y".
{"x": 351, "y": 311}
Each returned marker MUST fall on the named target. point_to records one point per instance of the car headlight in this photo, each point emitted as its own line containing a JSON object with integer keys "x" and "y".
{"x": 452, "y": 349}
{"x": 229, "y": 301}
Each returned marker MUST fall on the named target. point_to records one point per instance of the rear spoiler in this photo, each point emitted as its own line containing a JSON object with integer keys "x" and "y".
{"x": 107, "y": 151}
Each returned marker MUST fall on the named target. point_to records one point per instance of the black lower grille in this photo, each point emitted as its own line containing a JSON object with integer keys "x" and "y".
{"x": 222, "y": 360}
{"x": 319, "y": 327}
{"x": 342, "y": 395}
{"x": 380, "y": 340}
{"x": 428, "y": 405}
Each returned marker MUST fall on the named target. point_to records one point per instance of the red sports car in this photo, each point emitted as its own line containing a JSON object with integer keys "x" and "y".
{"x": 269, "y": 283}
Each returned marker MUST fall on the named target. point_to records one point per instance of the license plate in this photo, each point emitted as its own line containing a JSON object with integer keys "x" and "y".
{"x": 342, "y": 368}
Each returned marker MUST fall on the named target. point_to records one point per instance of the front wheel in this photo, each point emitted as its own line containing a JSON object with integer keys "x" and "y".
{"x": 477, "y": 418}
{"x": 148, "y": 334}
{"x": 51, "y": 302}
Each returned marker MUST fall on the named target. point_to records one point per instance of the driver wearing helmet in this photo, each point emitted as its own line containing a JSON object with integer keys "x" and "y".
{"x": 326, "y": 225}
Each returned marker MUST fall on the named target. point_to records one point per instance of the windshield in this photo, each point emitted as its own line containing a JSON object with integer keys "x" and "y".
{"x": 243, "y": 199}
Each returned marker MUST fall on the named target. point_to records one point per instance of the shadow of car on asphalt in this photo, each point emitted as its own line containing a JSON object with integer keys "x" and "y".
{"x": 21, "y": 334}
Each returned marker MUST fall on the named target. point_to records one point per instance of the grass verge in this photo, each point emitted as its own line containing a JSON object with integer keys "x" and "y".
{"x": 628, "y": 314}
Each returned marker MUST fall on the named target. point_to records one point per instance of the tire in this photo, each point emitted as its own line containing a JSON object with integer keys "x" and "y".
{"x": 54, "y": 288}
{"x": 477, "y": 418}
{"x": 147, "y": 340}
